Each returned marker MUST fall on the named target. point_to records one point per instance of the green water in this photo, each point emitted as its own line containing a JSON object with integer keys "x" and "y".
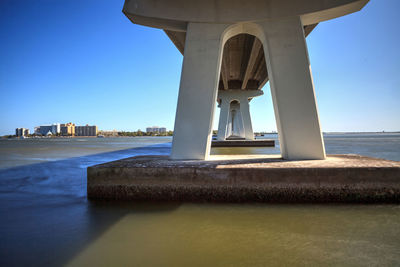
{"x": 249, "y": 235}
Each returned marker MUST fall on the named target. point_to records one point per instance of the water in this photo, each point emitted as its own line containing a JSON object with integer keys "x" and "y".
{"x": 46, "y": 219}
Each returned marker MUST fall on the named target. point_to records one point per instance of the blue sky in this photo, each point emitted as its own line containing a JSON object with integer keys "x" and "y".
{"x": 85, "y": 62}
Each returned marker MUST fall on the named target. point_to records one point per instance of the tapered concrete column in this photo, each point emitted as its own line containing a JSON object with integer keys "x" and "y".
{"x": 197, "y": 91}
{"x": 245, "y": 111}
{"x": 223, "y": 119}
{"x": 292, "y": 89}
{"x": 235, "y": 124}
{"x": 242, "y": 96}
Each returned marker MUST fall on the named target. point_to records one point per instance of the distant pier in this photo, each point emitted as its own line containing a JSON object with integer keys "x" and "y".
{"x": 244, "y": 143}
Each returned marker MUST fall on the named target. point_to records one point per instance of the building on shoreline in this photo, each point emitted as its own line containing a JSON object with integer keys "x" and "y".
{"x": 21, "y": 132}
{"x": 52, "y": 129}
{"x": 67, "y": 129}
{"x": 86, "y": 130}
{"x": 156, "y": 129}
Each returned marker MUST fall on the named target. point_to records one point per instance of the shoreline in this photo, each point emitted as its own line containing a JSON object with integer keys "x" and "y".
{"x": 75, "y": 137}
{"x": 256, "y": 135}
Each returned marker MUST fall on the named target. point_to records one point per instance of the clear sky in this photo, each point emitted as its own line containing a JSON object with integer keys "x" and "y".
{"x": 85, "y": 62}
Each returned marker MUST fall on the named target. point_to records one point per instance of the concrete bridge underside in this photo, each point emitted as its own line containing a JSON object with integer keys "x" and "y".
{"x": 241, "y": 45}
{"x": 243, "y": 61}
{"x": 243, "y": 68}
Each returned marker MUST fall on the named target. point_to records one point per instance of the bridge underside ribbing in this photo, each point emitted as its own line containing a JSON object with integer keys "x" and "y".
{"x": 243, "y": 61}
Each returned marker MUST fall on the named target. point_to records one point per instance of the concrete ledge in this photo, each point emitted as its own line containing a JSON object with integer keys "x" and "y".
{"x": 243, "y": 143}
{"x": 340, "y": 178}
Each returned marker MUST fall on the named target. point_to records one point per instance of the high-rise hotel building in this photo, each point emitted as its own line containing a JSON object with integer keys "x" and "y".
{"x": 86, "y": 130}
{"x": 21, "y": 132}
{"x": 67, "y": 129}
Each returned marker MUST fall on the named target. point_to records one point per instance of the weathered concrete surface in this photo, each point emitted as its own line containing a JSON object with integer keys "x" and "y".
{"x": 243, "y": 143}
{"x": 340, "y": 178}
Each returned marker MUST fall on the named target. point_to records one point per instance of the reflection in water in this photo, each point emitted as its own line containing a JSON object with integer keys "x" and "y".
{"x": 46, "y": 219}
{"x": 249, "y": 235}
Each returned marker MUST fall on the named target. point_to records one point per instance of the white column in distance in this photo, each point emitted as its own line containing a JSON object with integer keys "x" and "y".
{"x": 223, "y": 119}
{"x": 245, "y": 111}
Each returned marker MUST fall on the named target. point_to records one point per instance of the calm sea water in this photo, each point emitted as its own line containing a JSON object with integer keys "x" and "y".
{"x": 46, "y": 219}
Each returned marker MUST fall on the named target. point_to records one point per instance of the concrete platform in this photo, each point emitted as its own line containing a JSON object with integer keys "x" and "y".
{"x": 244, "y": 143}
{"x": 340, "y": 178}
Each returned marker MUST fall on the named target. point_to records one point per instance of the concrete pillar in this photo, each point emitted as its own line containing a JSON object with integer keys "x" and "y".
{"x": 292, "y": 89}
{"x": 245, "y": 111}
{"x": 223, "y": 119}
{"x": 197, "y": 91}
{"x": 235, "y": 126}
{"x": 242, "y": 96}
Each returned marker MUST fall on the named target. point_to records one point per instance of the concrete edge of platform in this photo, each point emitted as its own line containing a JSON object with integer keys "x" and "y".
{"x": 243, "y": 143}
{"x": 156, "y": 178}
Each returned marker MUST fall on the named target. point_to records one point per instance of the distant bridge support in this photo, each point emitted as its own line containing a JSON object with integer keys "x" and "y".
{"x": 234, "y": 118}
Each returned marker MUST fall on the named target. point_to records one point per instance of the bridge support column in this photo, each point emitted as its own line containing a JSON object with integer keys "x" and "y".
{"x": 292, "y": 89}
{"x": 223, "y": 119}
{"x": 242, "y": 97}
{"x": 197, "y": 91}
{"x": 245, "y": 111}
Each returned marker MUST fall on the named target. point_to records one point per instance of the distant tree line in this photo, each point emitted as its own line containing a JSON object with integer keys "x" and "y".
{"x": 140, "y": 133}
{"x": 121, "y": 133}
